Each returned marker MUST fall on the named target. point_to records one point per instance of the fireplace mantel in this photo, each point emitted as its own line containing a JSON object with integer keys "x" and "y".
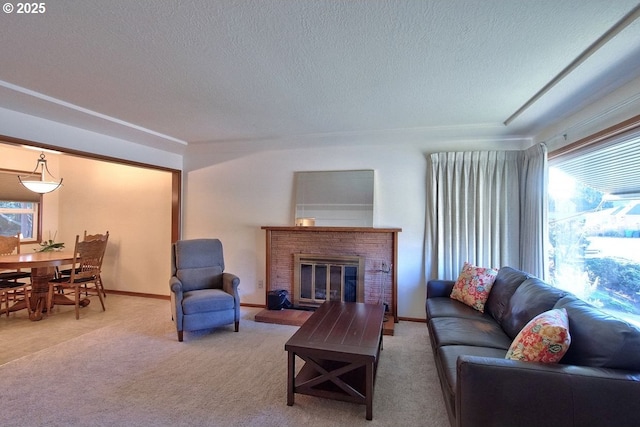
{"x": 379, "y": 246}
{"x": 334, "y": 229}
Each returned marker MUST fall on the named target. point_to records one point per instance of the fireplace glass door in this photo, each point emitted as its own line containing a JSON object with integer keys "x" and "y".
{"x": 322, "y": 280}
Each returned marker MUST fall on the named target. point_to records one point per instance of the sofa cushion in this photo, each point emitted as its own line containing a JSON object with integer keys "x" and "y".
{"x": 544, "y": 339}
{"x": 599, "y": 339}
{"x": 473, "y": 285}
{"x": 531, "y": 298}
{"x": 506, "y": 283}
{"x": 462, "y": 331}
{"x": 448, "y": 357}
{"x": 207, "y": 300}
{"x": 447, "y": 307}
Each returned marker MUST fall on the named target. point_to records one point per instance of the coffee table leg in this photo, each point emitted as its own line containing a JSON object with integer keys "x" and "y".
{"x": 291, "y": 371}
{"x": 369, "y": 390}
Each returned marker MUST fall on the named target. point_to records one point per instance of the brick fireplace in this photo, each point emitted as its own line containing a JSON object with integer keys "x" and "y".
{"x": 377, "y": 247}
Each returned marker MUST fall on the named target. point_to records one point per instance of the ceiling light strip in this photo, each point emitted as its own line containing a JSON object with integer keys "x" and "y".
{"x": 593, "y": 48}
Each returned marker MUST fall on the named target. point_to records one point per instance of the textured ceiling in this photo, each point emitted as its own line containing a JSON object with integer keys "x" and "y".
{"x": 167, "y": 73}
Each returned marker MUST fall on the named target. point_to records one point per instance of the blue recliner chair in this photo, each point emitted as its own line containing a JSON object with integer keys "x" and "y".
{"x": 202, "y": 295}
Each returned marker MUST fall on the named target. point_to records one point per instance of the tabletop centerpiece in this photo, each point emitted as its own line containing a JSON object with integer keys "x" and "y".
{"x": 50, "y": 245}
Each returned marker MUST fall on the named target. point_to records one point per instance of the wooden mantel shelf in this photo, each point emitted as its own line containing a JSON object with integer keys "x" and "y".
{"x": 333, "y": 229}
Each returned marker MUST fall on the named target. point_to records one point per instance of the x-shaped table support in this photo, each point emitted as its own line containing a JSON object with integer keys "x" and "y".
{"x": 316, "y": 375}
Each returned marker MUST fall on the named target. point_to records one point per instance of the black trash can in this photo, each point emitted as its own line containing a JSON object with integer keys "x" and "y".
{"x": 278, "y": 299}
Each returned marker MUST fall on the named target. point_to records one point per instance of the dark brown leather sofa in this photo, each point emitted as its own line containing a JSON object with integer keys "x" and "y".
{"x": 597, "y": 382}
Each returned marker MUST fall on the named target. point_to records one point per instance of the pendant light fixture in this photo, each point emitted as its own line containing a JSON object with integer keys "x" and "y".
{"x": 42, "y": 185}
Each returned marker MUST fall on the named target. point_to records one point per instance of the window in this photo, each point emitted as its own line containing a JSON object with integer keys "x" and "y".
{"x": 594, "y": 223}
{"x": 19, "y": 217}
{"x": 19, "y": 207}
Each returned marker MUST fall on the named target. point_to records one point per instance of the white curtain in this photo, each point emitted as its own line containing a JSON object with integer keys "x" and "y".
{"x": 487, "y": 208}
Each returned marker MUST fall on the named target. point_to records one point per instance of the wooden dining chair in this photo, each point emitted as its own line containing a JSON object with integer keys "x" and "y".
{"x": 11, "y": 245}
{"x": 10, "y": 288}
{"x": 87, "y": 237}
{"x": 84, "y": 276}
{"x": 13, "y": 291}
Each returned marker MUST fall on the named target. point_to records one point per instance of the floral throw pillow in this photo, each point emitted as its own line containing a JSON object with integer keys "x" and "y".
{"x": 544, "y": 339}
{"x": 473, "y": 285}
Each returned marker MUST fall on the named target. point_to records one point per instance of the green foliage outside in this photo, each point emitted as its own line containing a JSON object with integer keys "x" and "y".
{"x": 618, "y": 283}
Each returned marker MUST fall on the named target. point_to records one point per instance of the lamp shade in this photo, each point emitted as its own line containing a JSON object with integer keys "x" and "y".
{"x": 41, "y": 185}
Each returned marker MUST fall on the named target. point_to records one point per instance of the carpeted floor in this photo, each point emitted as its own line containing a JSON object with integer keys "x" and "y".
{"x": 126, "y": 367}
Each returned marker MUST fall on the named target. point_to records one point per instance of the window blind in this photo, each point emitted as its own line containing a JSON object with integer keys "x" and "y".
{"x": 12, "y": 190}
{"x": 611, "y": 166}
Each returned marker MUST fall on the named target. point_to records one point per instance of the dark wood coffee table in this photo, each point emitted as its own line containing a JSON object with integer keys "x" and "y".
{"x": 340, "y": 345}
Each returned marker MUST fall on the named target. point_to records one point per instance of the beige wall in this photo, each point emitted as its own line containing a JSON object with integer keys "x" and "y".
{"x": 132, "y": 203}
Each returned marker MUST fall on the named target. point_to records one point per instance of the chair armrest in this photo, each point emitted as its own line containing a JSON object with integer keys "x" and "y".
{"x": 175, "y": 285}
{"x": 230, "y": 283}
{"x": 500, "y": 392}
{"x": 439, "y": 288}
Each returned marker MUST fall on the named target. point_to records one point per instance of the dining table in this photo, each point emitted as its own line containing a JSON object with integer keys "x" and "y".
{"x": 43, "y": 266}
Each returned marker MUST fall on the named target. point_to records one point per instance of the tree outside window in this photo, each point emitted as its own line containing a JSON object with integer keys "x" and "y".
{"x": 18, "y": 217}
{"x": 595, "y": 245}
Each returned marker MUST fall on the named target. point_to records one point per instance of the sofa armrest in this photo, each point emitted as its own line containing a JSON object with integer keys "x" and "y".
{"x": 439, "y": 288}
{"x": 500, "y": 392}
